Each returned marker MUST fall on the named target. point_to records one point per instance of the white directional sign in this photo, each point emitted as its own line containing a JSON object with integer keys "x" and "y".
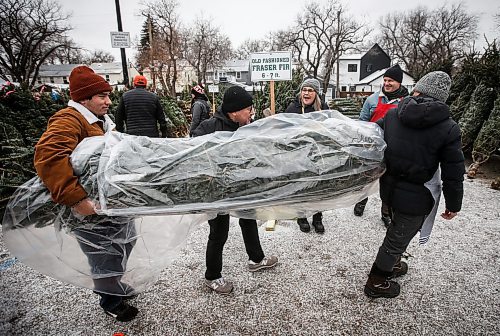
{"x": 120, "y": 39}
{"x": 271, "y": 66}
{"x": 213, "y": 88}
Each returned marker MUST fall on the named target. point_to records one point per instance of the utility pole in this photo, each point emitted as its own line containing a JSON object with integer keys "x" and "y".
{"x": 151, "y": 53}
{"x": 122, "y": 50}
{"x": 337, "y": 88}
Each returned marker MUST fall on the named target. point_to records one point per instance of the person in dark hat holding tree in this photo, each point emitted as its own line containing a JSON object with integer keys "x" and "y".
{"x": 236, "y": 111}
{"x": 106, "y": 246}
{"x": 200, "y": 108}
{"x": 308, "y": 100}
{"x": 420, "y": 137}
{"x": 374, "y": 108}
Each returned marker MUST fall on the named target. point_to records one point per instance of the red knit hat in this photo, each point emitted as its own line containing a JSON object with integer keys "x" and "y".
{"x": 85, "y": 83}
{"x": 140, "y": 81}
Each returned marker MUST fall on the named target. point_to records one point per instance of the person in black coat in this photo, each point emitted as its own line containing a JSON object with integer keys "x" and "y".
{"x": 308, "y": 100}
{"x": 200, "y": 108}
{"x": 420, "y": 136}
{"x": 236, "y": 111}
{"x": 141, "y": 112}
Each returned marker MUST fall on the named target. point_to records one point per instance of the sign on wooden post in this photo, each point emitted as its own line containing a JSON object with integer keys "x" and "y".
{"x": 213, "y": 89}
{"x": 271, "y": 67}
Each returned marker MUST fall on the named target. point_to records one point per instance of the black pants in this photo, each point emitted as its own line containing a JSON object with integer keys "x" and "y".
{"x": 219, "y": 228}
{"x": 107, "y": 247}
{"x": 318, "y": 216}
{"x": 384, "y": 210}
{"x": 397, "y": 238}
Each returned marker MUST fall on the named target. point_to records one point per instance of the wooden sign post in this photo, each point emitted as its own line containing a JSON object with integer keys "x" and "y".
{"x": 271, "y": 98}
{"x": 270, "y": 67}
{"x": 213, "y": 89}
{"x": 213, "y": 103}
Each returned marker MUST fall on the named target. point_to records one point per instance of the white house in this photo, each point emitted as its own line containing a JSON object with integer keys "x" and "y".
{"x": 234, "y": 71}
{"x": 186, "y": 75}
{"x": 362, "y": 73}
{"x": 375, "y": 81}
{"x": 58, "y": 74}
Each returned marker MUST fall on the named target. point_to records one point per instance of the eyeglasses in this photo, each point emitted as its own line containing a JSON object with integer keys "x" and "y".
{"x": 307, "y": 90}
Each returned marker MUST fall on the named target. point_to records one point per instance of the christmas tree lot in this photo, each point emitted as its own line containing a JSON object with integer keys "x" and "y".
{"x": 475, "y": 105}
{"x": 23, "y": 119}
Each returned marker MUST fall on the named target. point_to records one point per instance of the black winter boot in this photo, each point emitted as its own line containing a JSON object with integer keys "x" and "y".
{"x": 123, "y": 312}
{"x": 359, "y": 208}
{"x": 303, "y": 224}
{"x": 379, "y": 285}
{"x": 318, "y": 223}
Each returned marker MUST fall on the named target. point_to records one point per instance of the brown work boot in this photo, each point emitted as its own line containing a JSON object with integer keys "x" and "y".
{"x": 379, "y": 285}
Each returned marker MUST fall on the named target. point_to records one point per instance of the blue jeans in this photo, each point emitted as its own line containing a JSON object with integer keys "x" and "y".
{"x": 107, "y": 247}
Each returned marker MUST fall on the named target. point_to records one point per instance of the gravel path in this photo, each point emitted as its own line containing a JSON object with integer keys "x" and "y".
{"x": 452, "y": 287}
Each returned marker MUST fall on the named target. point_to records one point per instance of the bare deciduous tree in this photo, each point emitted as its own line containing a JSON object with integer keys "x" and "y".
{"x": 70, "y": 53}
{"x": 206, "y": 47}
{"x": 321, "y": 35}
{"x": 30, "y": 31}
{"x": 167, "y": 45}
{"x": 98, "y": 56}
{"x": 250, "y": 46}
{"x": 428, "y": 40}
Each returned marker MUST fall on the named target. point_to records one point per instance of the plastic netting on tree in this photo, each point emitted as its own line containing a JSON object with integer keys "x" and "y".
{"x": 477, "y": 112}
{"x": 282, "y": 167}
{"x": 488, "y": 139}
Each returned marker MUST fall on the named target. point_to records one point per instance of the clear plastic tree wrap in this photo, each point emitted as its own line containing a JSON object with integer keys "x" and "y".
{"x": 284, "y": 166}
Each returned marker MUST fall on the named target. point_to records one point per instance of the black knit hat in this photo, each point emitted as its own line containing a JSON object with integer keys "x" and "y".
{"x": 395, "y": 73}
{"x": 235, "y": 99}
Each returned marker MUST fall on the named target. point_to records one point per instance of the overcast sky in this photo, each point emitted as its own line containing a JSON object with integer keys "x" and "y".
{"x": 93, "y": 20}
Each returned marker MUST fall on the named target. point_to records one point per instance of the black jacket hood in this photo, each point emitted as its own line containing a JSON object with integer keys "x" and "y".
{"x": 422, "y": 111}
{"x": 229, "y": 125}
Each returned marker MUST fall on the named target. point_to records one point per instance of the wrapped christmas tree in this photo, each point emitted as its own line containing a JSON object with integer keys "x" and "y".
{"x": 158, "y": 190}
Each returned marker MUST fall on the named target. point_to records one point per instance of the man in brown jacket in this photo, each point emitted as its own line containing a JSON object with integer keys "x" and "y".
{"x": 108, "y": 246}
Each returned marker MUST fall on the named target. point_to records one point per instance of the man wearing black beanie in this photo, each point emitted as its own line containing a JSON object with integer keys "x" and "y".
{"x": 374, "y": 108}
{"x": 236, "y": 111}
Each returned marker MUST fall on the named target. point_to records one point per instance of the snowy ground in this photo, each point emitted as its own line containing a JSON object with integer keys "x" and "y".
{"x": 452, "y": 287}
